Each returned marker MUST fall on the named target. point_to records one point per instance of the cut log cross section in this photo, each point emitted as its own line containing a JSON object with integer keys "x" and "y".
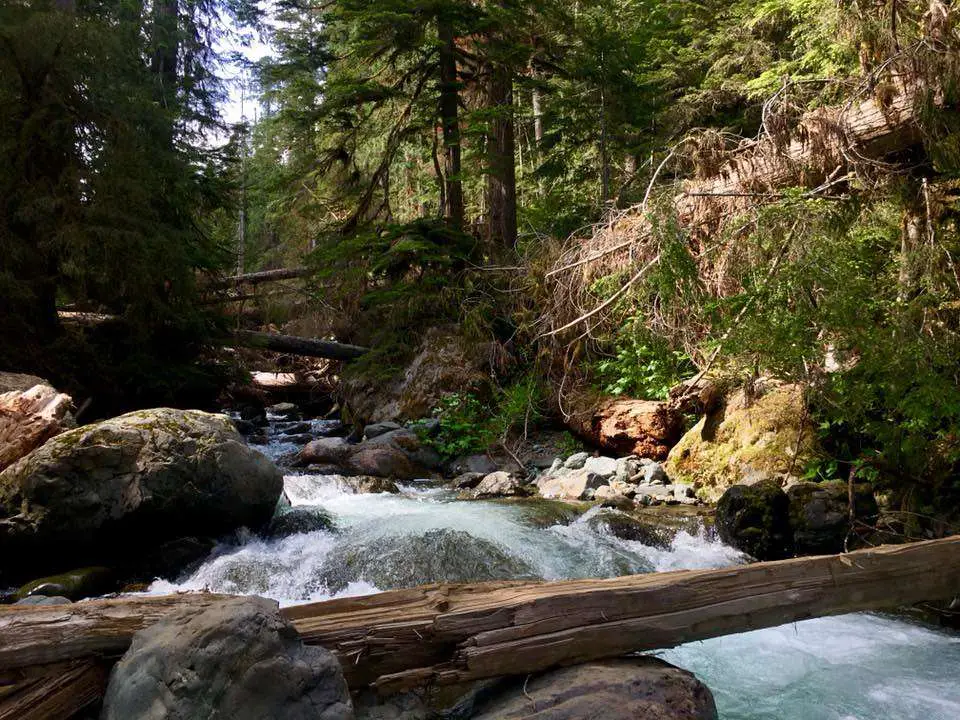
{"x": 444, "y": 634}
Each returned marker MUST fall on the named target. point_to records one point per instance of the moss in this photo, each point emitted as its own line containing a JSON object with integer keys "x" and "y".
{"x": 75, "y": 584}
{"x": 744, "y": 440}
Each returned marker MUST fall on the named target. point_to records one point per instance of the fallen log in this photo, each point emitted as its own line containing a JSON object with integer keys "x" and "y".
{"x": 453, "y": 633}
{"x": 308, "y": 347}
{"x": 256, "y": 278}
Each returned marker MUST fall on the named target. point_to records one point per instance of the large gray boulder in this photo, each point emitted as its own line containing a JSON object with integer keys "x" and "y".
{"x": 626, "y": 689}
{"x": 237, "y": 660}
{"x": 111, "y": 492}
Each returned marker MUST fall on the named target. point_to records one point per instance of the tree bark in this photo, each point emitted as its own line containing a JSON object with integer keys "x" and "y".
{"x": 501, "y": 168}
{"x": 449, "y": 118}
{"x": 447, "y": 634}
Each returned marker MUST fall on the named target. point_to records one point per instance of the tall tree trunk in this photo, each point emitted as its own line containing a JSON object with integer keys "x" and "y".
{"x": 501, "y": 170}
{"x": 163, "y": 63}
{"x": 449, "y": 116}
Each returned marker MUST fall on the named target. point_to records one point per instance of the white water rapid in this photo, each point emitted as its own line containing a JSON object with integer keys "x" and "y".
{"x": 854, "y": 667}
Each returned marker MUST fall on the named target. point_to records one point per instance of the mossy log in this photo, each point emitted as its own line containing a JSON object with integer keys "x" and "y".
{"x": 446, "y": 634}
{"x": 257, "y": 278}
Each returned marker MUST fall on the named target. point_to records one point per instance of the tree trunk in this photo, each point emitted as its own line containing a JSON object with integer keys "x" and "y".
{"x": 449, "y": 117}
{"x": 308, "y": 347}
{"x": 501, "y": 170}
{"x": 443, "y": 634}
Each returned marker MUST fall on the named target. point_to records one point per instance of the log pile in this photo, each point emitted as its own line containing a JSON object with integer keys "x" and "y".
{"x": 446, "y": 634}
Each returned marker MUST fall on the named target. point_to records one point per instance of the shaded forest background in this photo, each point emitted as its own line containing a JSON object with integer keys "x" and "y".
{"x": 446, "y": 162}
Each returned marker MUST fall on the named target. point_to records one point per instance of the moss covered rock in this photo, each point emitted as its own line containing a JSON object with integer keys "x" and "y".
{"x": 756, "y": 519}
{"x": 820, "y": 514}
{"x": 111, "y": 492}
{"x": 745, "y": 439}
{"x": 73, "y": 585}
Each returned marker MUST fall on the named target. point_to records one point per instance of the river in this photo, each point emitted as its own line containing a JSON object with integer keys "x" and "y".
{"x": 853, "y": 667}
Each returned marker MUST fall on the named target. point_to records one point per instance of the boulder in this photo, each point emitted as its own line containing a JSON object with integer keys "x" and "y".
{"x": 571, "y": 484}
{"x": 500, "y": 484}
{"x": 437, "y": 556}
{"x": 324, "y": 451}
{"x": 30, "y": 417}
{"x": 626, "y": 527}
{"x": 625, "y": 689}
{"x": 645, "y": 428}
{"x": 299, "y": 520}
{"x": 382, "y": 461}
{"x": 467, "y": 480}
{"x": 745, "y": 439}
{"x": 576, "y": 461}
{"x": 820, "y": 514}
{"x": 652, "y": 473}
{"x": 367, "y": 485}
{"x": 285, "y": 410}
{"x": 44, "y": 600}
{"x": 238, "y": 659}
{"x": 376, "y": 429}
{"x": 110, "y": 492}
{"x": 756, "y": 519}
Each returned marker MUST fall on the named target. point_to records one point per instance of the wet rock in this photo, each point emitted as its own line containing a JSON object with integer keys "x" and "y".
{"x": 74, "y": 585}
{"x": 44, "y": 600}
{"x": 445, "y": 556}
{"x": 541, "y": 513}
{"x": 382, "y": 461}
{"x": 645, "y": 428}
{"x": 756, "y": 519}
{"x": 295, "y": 428}
{"x": 110, "y": 492}
{"x": 618, "y": 502}
{"x": 367, "y": 484}
{"x": 626, "y": 527}
{"x": 299, "y": 520}
{"x": 171, "y": 559}
{"x": 376, "y": 429}
{"x": 324, "y": 451}
{"x": 30, "y": 417}
{"x": 467, "y": 481}
{"x": 747, "y": 438}
{"x": 626, "y": 689}
{"x": 285, "y": 410}
{"x": 500, "y": 484}
{"x": 820, "y": 514}
{"x": 238, "y": 659}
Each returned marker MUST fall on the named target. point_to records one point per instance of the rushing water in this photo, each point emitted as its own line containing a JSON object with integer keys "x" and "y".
{"x": 854, "y": 667}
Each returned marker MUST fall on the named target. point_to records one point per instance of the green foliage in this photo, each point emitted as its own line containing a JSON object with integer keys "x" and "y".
{"x": 642, "y": 366}
{"x": 469, "y": 425}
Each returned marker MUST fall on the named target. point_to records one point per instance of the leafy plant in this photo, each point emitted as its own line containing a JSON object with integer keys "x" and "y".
{"x": 643, "y": 367}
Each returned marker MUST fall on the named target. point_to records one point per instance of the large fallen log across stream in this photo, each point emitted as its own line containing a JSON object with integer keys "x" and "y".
{"x": 452, "y": 633}
{"x": 308, "y": 347}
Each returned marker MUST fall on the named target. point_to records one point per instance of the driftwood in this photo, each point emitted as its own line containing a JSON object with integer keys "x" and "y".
{"x": 308, "y": 347}
{"x": 30, "y": 418}
{"x": 452, "y": 633}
